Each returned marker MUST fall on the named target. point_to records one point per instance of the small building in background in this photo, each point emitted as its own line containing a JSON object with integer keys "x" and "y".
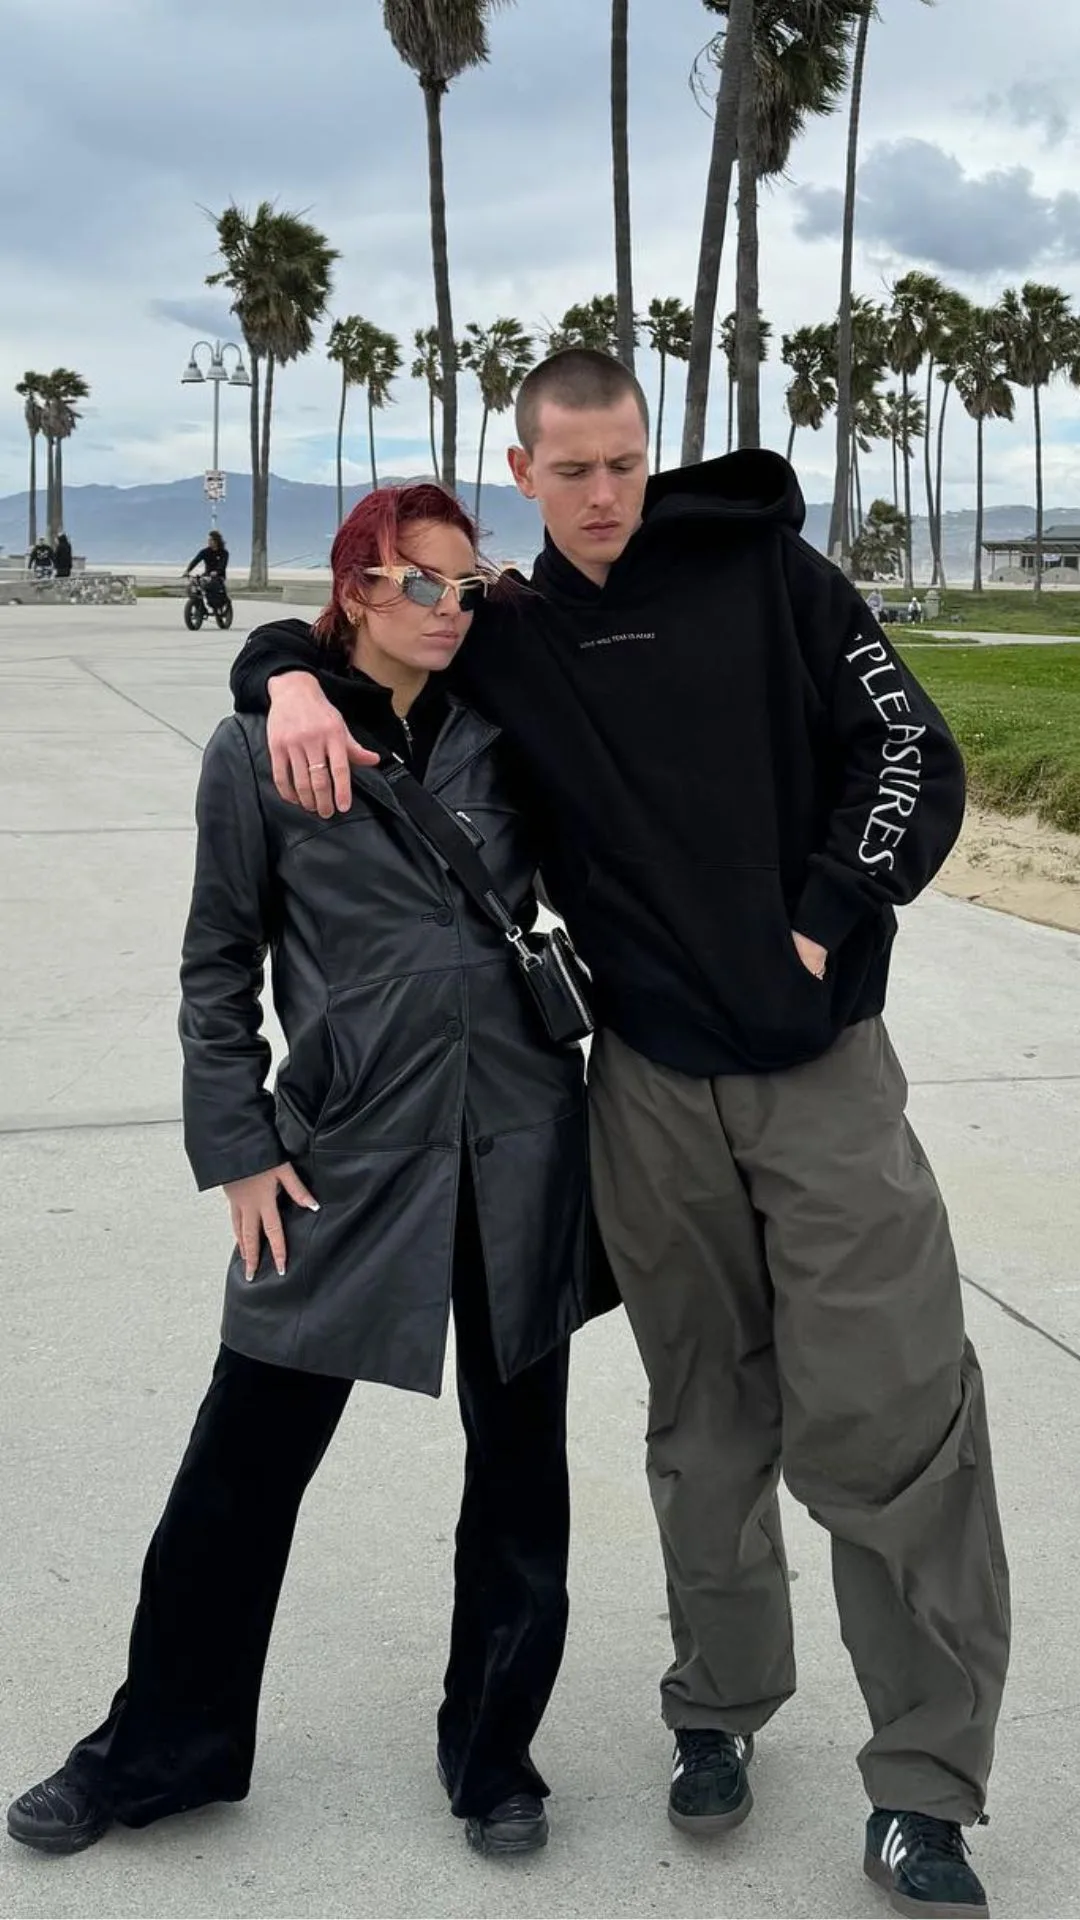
{"x": 1015, "y": 559}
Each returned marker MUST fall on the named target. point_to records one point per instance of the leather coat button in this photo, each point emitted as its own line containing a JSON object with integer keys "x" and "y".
{"x": 484, "y": 1145}
{"x": 444, "y": 917}
{"x": 454, "y": 1030}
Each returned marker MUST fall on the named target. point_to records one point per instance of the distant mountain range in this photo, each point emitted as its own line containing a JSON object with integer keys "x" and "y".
{"x": 164, "y": 525}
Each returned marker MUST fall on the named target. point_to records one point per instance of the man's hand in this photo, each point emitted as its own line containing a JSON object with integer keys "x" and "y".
{"x": 814, "y": 958}
{"x": 311, "y": 748}
{"x": 253, "y": 1204}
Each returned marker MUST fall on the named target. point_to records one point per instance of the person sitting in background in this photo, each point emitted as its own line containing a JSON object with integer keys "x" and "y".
{"x": 214, "y": 561}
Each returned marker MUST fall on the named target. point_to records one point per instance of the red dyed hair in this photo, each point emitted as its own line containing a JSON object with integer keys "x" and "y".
{"x": 371, "y": 536}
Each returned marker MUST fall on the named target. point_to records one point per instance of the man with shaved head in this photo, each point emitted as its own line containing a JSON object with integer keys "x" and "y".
{"x": 736, "y": 781}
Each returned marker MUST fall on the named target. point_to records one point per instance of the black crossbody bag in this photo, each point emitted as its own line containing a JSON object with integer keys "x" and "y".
{"x": 556, "y": 980}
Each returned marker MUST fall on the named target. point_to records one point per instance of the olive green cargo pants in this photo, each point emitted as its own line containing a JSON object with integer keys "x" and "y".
{"x": 786, "y": 1262}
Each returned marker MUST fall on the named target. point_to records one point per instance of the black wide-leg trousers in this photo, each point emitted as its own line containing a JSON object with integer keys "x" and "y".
{"x": 181, "y": 1731}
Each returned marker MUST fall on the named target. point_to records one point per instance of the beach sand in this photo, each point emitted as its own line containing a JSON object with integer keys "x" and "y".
{"x": 1016, "y": 865}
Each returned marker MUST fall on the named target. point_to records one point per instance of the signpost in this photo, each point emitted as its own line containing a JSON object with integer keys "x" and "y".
{"x": 214, "y": 488}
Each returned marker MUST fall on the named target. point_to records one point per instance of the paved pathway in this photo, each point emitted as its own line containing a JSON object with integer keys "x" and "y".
{"x": 110, "y": 1275}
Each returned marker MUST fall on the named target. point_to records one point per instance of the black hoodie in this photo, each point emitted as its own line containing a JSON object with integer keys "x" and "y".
{"x": 721, "y": 746}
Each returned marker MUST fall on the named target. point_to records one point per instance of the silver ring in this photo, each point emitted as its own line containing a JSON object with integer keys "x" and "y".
{"x": 319, "y": 766}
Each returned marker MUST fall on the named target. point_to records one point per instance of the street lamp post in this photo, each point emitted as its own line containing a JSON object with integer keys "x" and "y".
{"x": 216, "y": 372}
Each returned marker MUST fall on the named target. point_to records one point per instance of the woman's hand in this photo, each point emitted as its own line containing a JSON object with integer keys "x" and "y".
{"x": 253, "y": 1204}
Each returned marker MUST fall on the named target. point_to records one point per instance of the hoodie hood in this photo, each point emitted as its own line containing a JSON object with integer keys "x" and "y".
{"x": 748, "y": 490}
{"x": 753, "y": 488}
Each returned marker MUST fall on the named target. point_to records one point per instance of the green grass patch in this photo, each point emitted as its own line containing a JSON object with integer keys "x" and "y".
{"x": 1056, "y": 612}
{"x": 1016, "y": 714}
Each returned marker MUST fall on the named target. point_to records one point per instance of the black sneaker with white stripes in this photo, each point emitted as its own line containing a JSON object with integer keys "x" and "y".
{"x": 922, "y": 1864}
{"x": 710, "y": 1792}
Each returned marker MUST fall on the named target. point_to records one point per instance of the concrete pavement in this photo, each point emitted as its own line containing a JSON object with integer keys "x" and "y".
{"x": 110, "y": 1270}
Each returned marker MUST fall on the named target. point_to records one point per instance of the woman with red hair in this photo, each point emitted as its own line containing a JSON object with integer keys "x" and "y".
{"x": 423, "y": 1153}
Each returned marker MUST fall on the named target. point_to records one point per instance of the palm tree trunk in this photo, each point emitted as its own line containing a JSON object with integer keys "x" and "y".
{"x": 58, "y": 492}
{"x": 895, "y": 473}
{"x": 50, "y": 485}
{"x": 480, "y": 464}
{"x": 791, "y": 443}
{"x": 31, "y": 525}
{"x": 440, "y": 259}
{"x": 660, "y": 411}
{"x": 620, "y": 142}
{"x": 340, "y": 443}
{"x": 939, "y": 546}
{"x": 254, "y": 423}
{"x": 371, "y": 440}
{"x": 839, "y": 527}
{"x": 431, "y": 431}
{"x": 731, "y": 391}
{"x": 260, "y": 530}
{"x": 977, "y": 583}
{"x": 856, "y": 471}
{"x": 909, "y": 568}
{"x": 747, "y": 298}
{"x": 738, "y": 47}
{"x": 928, "y": 465}
{"x": 1038, "y": 494}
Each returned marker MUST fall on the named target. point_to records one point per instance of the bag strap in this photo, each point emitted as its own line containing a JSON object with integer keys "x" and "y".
{"x": 445, "y": 833}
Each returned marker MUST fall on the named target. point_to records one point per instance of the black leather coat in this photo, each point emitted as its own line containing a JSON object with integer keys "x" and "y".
{"x": 409, "y": 1034}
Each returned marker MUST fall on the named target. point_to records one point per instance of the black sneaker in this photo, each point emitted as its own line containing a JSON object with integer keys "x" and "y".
{"x": 922, "y": 1864}
{"x": 57, "y": 1816}
{"x": 710, "y": 1792}
{"x": 517, "y": 1825}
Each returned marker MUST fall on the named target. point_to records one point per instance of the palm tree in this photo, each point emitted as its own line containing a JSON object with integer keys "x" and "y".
{"x": 868, "y": 335}
{"x": 868, "y": 423}
{"x": 29, "y": 389}
{"x": 799, "y": 69}
{"x": 428, "y": 367}
{"x": 60, "y": 416}
{"x": 620, "y": 143}
{"x": 278, "y": 269}
{"x": 809, "y": 353}
{"x": 728, "y": 344}
{"x": 342, "y": 349}
{"x": 839, "y": 526}
{"x": 906, "y": 352}
{"x": 1037, "y": 331}
{"x": 957, "y": 313}
{"x": 905, "y": 422}
{"x": 929, "y": 304}
{"x": 500, "y": 356}
{"x": 738, "y": 52}
{"x": 378, "y": 362}
{"x": 593, "y": 323}
{"x": 440, "y": 40}
{"x": 368, "y": 358}
{"x": 879, "y": 546}
{"x": 669, "y": 325}
{"x": 982, "y": 383}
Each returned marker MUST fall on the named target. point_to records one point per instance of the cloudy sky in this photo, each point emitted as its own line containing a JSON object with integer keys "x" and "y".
{"x": 122, "y": 121}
